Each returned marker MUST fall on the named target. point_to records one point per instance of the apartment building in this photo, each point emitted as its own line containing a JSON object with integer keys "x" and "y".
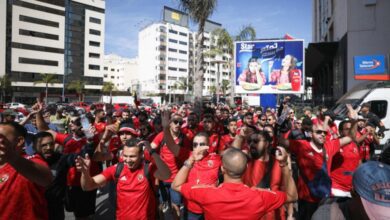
{"x": 122, "y": 72}
{"x": 60, "y": 37}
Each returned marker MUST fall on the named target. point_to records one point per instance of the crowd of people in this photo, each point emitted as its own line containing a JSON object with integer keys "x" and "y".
{"x": 173, "y": 163}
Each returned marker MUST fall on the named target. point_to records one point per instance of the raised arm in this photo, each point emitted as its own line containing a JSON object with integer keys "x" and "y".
{"x": 288, "y": 181}
{"x": 163, "y": 172}
{"x": 172, "y": 146}
{"x": 88, "y": 183}
{"x": 100, "y": 154}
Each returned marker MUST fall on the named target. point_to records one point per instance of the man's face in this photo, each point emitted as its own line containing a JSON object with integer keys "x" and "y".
{"x": 232, "y": 127}
{"x": 346, "y": 128}
{"x": 319, "y": 134}
{"x": 218, "y": 113}
{"x": 208, "y": 124}
{"x": 125, "y": 135}
{"x": 248, "y": 120}
{"x": 9, "y": 118}
{"x": 144, "y": 130}
{"x": 307, "y": 113}
{"x": 270, "y": 120}
{"x": 74, "y": 124}
{"x": 364, "y": 110}
{"x": 200, "y": 141}
{"x": 192, "y": 121}
{"x": 225, "y": 115}
{"x": 125, "y": 115}
{"x": 132, "y": 157}
{"x": 262, "y": 120}
{"x": 45, "y": 147}
{"x": 176, "y": 123}
{"x": 298, "y": 124}
{"x": 257, "y": 145}
{"x": 8, "y": 133}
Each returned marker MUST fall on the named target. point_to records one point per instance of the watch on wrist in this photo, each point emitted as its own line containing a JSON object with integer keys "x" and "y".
{"x": 188, "y": 164}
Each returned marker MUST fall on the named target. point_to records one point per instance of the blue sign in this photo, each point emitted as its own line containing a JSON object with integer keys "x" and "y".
{"x": 269, "y": 67}
{"x": 370, "y": 65}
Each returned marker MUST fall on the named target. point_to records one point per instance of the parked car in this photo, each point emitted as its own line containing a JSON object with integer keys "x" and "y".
{"x": 15, "y": 105}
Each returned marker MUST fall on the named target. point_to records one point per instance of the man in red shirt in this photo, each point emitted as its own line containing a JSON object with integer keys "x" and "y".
{"x": 22, "y": 178}
{"x": 209, "y": 128}
{"x": 365, "y": 136}
{"x": 326, "y": 119}
{"x": 100, "y": 124}
{"x": 232, "y": 199}
{"x": 227, "y": 139}
{"x": 310, "y": 158}
{"x": 345, "y": 162}
{"x": 174, "y": 148}
{"x": 135, "y": 193}
{"x": 191, "y": 128}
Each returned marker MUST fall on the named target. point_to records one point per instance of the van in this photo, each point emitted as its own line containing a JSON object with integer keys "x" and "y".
{"x": 375, "y": 93}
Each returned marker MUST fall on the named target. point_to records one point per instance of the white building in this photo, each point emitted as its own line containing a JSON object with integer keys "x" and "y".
{"x": 54, "y": 37}
{"x": 122, "y": 72}
{"x": 166, "y": 53}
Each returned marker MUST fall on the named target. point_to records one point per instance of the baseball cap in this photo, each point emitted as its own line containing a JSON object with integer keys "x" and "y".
{"x": 128, "y": 126}
{"x": 372, "y": 182}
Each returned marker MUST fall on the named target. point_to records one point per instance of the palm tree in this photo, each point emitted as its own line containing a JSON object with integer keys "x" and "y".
{"x": 5, "y": 86}
{"x": 108, "y": 87}
{"x": 246, "y": 33}
{"x": 47, "y": 79}
{"x": 199, "y": 12}
{"x": 213, "y": 89}
{"x": 225, "y": 86}
{"x": 78, "y": 86}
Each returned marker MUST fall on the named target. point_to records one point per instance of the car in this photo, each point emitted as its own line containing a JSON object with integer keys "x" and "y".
{"x": 15, "y": 105}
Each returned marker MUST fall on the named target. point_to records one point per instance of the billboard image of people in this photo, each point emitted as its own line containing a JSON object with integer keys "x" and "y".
{"x": 274, "y": 66}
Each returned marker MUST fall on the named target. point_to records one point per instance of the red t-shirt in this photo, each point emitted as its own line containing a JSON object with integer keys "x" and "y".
{"x": 189, "y": 133}
{"x": 364, "y": 148}
{"x": 113, "y": 146}
{"x": 345, "y": 162}
{"x": 233, "y": 200}
{"x": 74, "y": 145}
{"x": 214, "y": 141}
{"x": 225, "y": 143}
{"x": 21, "y": 198}
{"x": 203, "y": 172}
{"x": 310, "y": 162}
{"x": 100, "y": 127}
{"x": 135, "y": 197}
{"x": 173, "y": 163}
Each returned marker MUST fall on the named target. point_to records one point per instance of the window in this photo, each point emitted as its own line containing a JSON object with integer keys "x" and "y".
{"x": 379, "y": 108}
{"x": 172, "y": 50}
{"x": 105, "y": 75}
{"x": 183, "y": 34}
{"x": 38, "y": 34}
{"x": 112, "y": 77}
{"x": 38, "y": 61}
{"x": 172, "y": 59}
{"x": 94, "y": 32}
{"x": 112, "y": 70}
{"x": 172, "y": 31}
{"x": 172, "y": 68}
{"x": 94, "y": 43}
{"x": 172, "y": 78}
{"x": 95, "y": 20}
{"x": 38, "y": 21}
{"x": 172, "y": 41}
{"x": 95, "y": 55}
{"x": 182, "y": 70}
{"x": 182, "y": 43}
{"x": 182, "y": 51}
{"x": 182, "y": 60}
{"x": 105, "y": 68}
{"x": 94, "y": 67}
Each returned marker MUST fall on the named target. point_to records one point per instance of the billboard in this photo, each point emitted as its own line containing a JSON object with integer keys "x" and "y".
{"x": 371, "y": 67}
{"x": 269, "y": 67}
{"x": 174, "y": 16}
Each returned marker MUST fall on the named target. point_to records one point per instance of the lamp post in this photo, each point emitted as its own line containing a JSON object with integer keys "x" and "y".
{"x": 218, "y": 62}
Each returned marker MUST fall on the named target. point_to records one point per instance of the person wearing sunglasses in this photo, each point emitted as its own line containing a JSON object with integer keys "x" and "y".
{"x": 174, "y": 148}
{"x": 204, "y": 171}
{"x": 326, "y": 118}
{"x": 314, "y": 159}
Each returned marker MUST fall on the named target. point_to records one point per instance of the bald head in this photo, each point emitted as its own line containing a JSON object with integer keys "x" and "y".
{"x": 234, "y": 162}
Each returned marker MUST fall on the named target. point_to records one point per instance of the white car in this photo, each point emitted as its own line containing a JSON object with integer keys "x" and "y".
{"x": 15, "y": 105}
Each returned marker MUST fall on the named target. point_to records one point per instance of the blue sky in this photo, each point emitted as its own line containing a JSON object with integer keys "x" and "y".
{"x": 270, "y": 18}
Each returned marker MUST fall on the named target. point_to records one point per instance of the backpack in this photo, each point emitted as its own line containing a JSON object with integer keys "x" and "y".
{"x": 320, "y": 186}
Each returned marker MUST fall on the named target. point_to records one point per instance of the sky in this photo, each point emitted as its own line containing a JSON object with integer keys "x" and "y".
{"x": 270, "y": 19}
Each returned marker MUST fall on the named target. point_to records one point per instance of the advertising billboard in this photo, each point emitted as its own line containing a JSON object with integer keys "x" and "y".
{"x": 175, "y": 17}
{"x": 373, "y": 67}
{"x": 269, "y": 67}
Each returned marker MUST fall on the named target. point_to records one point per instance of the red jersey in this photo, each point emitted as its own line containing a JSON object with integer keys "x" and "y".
{"x": 135, "y": 197}
{"x": 100, "y": 127}
{"x": 310, "y": 162}
{"x": 345, "y": 162}
{"x": 113, "y": 146}
{"x": 225, "y": 143}
{"x": 364, "y": 147}
{"x": 203, "y": 172}
{"x": 189, "y": 133}
{"x": 21, "y": 198}
{"x": 214, "y": 142}
{"x": 173, "y": 163}
{"x": 233, "y": 200}
{"x": 136, "y": 122}
{"x": 74, "y": 145}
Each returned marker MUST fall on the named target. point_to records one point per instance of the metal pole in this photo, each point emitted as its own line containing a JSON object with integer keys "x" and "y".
{"x": 218, "y": 63}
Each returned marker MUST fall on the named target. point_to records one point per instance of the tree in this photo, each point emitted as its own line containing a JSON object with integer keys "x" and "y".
{"x": 213, "y": 89}
{"x": 108, "y": 87}
{"x": 78, "y": 86}
{"x": 225, "y": 86}
{"x": 199, "y": 12}
{"x": 5, "y": 86}
{"x": 47, "y": 79}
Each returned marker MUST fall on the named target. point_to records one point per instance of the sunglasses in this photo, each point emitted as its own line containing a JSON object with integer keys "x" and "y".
{"x": 319, "y": 132}
{"x": 270, "y": 119}
{"x": 180, "y": 122}
{"x": 291, "y": 113}
{"x": 298, "y": 123}
{"x": 201, "y": 144}
{"x": 263, "y": 119}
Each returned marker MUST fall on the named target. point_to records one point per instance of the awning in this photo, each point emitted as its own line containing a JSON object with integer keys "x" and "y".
{"x": 317, "y": 54}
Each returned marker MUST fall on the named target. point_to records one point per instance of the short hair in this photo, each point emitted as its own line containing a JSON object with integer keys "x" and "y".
{"x": 248, "y": 114}
{"x": 341, "y": 125}
{"x": 234, "y": 162}
{"x": 20, "y": 131}
{"x": 232, "y": 120}
{"x": 39, "y": 136}
{"x": 126, "y": 110}
{"x": 203, "y": 134}
{"x": 265, "y": 135}
{"x": 307, "y": 122}
{"x": 208, "y": 116}
{"x": 97, "y": 111}
{"x": 133, "y": 142}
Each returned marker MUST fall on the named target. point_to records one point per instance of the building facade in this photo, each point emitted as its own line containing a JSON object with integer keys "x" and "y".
{"x": 122, "y": 72}
{"x": 343, "y": 30}
{"x": 60, "y": 37}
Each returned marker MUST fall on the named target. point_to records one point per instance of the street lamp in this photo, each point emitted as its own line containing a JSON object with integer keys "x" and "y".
{"x": 218, "y": 62}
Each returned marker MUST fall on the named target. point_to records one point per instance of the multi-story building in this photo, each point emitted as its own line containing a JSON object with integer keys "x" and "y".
{"x": 122, "y": 72}
{"x": 166, "y": 53}
{"x": 343, "y": 30}
{"x": 60, "y": 37}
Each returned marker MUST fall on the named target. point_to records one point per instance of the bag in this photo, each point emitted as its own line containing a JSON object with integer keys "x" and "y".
{"x": 320, "y": 186}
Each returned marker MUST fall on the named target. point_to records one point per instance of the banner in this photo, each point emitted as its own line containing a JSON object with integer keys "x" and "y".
{"x": 269, "y": 67}
{"x": 371, "y": 67}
